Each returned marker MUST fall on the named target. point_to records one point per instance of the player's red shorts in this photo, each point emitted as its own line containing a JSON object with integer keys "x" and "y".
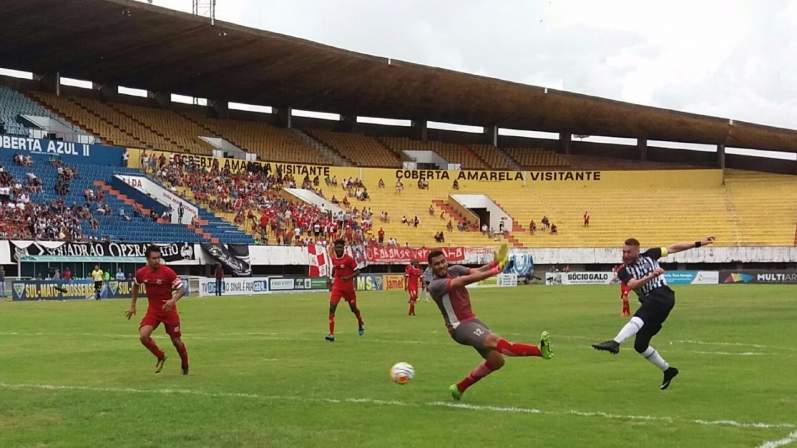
{"x": 413, "y": 293}
{"x": 170, "y": 320}
{"x": 347, "y": 294}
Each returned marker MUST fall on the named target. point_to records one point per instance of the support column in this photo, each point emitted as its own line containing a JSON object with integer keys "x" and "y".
{"x": 347, "y": 122}
{"x": 161, "y": 99}
{"x": 564, "y": 142}
{"x": 491, "y": 135}
{"x": 721, "y": 160}
{"x": 218, "y": 108}
{"x": 49, "y": 82}
{"x": 284, "y": 117}
{"x": 420, "y": 131}
{"x": 642, "y": 146}
{"x": 107, "y": 90}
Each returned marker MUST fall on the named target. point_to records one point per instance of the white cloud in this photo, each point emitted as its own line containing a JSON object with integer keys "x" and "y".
{"x": 728, "y": 58}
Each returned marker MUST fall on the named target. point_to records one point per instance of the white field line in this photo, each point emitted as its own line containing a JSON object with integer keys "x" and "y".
{"x": 791, "y": 438}
{"x": 371, "y": 401}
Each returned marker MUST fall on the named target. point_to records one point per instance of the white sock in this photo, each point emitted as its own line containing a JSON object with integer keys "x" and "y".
{"x": 630, "y": 329}
{"x": 653, "y": 356}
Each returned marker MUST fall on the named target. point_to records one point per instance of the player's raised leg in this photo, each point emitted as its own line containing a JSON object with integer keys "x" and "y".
{"x": 145, "y": 336}
{"x": 508, "y": 348}
{"x": 493, "y": 348}
{"x": 492, "y": 362}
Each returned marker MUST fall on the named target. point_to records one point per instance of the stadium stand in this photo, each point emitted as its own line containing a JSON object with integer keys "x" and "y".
{"x": 170, "y": 126}
{"x": 763, "y": 207}
{"x": 129, "y": 125}
{"x": 412, "y": 202}
{"x": 496, "y": 158}
{"x": 536, "y": 158}
{"x": 110, "y": 225}
{"x": 268, "y": 142}
{"x": 99, "y": 119}
{"x": 361, "y": 149}
{"x": 701, "y": 205}
{"x": 451, "y": 152}
{"x": 13, "y": 104}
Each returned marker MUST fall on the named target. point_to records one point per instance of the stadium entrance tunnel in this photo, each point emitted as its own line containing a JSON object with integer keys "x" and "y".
{"x": 481, "y": 210}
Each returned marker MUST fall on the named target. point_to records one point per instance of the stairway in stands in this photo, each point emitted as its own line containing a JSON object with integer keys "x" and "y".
{"x": 198, "y": 229}
{"x": 454, "y": 214}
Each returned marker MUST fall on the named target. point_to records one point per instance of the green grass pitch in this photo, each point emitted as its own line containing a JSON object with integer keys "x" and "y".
{"x": 74, "y": 374}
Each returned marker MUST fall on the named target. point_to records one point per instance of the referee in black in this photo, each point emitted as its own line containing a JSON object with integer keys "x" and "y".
{"x": 642, "y": 273}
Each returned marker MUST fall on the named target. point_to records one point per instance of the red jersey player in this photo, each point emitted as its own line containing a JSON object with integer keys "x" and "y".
{"x": 624, "y": 290}
{"x": 164, "y": 288}
{"x": 413, "y": 275}
{"x": 344, "y": 269}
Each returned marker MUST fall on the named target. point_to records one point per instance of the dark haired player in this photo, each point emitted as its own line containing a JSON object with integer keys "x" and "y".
{"x": 642, "y": 273}
{"x": 164, "y": 288}
{"x": 344, "y": 269}
{"x": 448, "y": 291}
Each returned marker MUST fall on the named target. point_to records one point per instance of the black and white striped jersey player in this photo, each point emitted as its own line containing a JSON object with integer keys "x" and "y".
{"x": 642, "y": 273}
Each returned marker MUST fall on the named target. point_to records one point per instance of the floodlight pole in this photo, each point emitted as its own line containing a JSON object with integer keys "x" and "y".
{"x": 205, "y": 8}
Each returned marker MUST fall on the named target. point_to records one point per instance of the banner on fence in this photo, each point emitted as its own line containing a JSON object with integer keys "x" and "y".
{"x": 692, "y": 277}
{"x": 74, "y": 289}
{"x": 771, "y": 277}
{"x": 67, "y": 151}
{"x": 370, "y": 282}
{"x": 234, "y": 286}
{"x": 235, "y": 257}
{"x": 169, "y": 252}
{"x": 578, "y": 278}
{"x": 279, "y": 284}
{"x": 506, "y": 280}
{"x": 397, "y": 255}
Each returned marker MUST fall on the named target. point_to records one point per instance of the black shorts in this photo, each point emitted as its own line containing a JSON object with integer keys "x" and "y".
{"x": 98, "y": 286}
{"x": 656, "y": 306}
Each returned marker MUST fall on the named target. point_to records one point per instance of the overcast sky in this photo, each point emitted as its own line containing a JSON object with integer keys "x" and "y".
{"x": 726, "y": 58}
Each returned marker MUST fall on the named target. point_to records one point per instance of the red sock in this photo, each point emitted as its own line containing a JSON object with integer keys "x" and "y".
{"x": 331, "y": 324}
{"x": 183, "y": 354}
{"x": 152, "y": 347}
{"x": 475, "y": 375}
{"x": 517, "y": 349}
{"x": 412, "y": 308}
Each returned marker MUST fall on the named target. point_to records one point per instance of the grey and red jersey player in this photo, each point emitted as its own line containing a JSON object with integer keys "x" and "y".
{"x": 447, "y": 288}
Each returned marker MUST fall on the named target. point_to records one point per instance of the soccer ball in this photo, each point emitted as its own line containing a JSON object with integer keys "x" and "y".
{"x": 402, "y": 373}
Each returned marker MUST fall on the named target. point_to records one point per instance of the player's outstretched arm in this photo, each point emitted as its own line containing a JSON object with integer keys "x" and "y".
{"x": 680, "y": 247}
{"x": 132, "y": 311}
{"x": 475, "y": 275}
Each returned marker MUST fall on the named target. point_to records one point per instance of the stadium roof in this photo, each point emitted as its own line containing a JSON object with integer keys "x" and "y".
{"x": 138, "y": 45}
